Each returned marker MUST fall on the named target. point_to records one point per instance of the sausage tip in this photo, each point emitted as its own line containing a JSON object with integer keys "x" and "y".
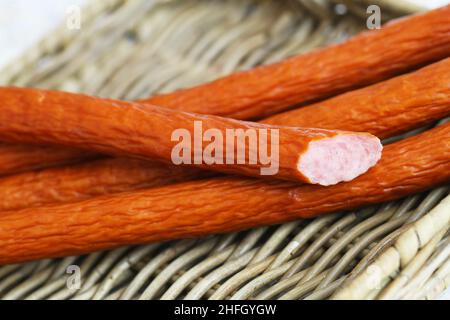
{"x": 340, "y": 158}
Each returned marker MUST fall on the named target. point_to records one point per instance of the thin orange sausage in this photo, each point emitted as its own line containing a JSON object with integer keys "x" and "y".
{"x": 17, "y": 158}
{"x": 315, "y": 156}
{"x": 385, "y": 109}
{"x": 209, "y": 206}
{"x": 86, "y": 180}
{"x": 367, "y": 58}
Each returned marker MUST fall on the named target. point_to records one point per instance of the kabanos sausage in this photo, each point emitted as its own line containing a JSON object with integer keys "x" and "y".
{"x": 314, "y": 156}
{"x": 367, "y": 58}
{"x": 217, "y": 205}
{"x": 16, "y": 158}
{"x": 89, "y": 179}
{"x": 385, "y": 109}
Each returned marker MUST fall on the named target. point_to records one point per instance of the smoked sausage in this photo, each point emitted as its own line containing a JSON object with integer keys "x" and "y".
{"x": 367, "y": 58}
{"x": 315, "y": 156}
{"x": 86, "y": 180}
{"x": 385, "y": 109}
{"x": 197, "y": 208}
{"x": 17, "y": 158}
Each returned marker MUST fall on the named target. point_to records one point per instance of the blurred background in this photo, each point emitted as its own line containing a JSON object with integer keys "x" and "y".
{"x": 23, "y": 22}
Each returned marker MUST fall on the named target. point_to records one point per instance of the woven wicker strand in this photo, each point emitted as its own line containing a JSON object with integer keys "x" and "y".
{"x": 132, "y": 49}
{"x": 409, "y": 251}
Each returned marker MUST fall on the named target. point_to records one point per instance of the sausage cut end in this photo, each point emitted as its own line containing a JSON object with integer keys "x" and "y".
{"x": 340, "y": 158}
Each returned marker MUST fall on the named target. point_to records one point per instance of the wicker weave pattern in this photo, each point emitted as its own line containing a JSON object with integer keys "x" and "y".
{"x": 131, "y": 49}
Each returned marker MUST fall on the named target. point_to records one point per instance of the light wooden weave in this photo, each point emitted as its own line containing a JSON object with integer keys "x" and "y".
{"x": 132, "y": 49}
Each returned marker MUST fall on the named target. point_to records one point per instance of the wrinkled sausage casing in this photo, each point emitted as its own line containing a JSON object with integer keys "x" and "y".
{"x": 316, "y": 156}
{"x": 367, "y": 58}
{"x": 225, "y": 204}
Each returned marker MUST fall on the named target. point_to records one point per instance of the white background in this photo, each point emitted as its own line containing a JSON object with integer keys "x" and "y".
{"x": 23, "y": 22}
